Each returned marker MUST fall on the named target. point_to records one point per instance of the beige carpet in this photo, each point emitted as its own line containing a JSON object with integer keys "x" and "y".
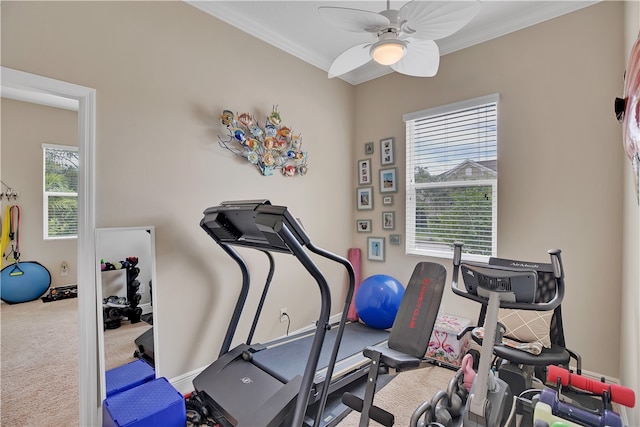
{"x": 405, "y": 393}
{"x": 119, "y": 344}
{"x": 39, "y": 361}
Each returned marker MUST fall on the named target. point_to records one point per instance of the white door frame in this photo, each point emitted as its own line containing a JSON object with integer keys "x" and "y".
{"x": 42, "y": 90}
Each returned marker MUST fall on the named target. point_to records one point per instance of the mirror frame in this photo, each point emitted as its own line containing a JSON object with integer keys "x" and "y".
{"x": 27, "y": 87}
{"x": 152, "y": 233}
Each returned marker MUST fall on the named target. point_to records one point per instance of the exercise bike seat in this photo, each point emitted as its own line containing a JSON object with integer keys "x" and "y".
{"x": 555, "y": 355}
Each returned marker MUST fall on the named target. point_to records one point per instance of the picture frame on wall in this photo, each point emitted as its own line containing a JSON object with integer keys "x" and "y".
{"x": 394, "y": 239}
{"x": 375, "y": 248}
{"x": 368, "y": 148}
{"x": 364, "y": 171}
{"x": 387, "y": 200}
{"x": 363, "y": 226}
{"x": 388, "y": 220}
{"x": 387, "y": 152}
{"x": 364, "y": 198}
{"x": 388, "y": 180}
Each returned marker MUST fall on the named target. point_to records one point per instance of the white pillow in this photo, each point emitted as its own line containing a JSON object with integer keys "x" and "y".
{"x": 527, "y": 325}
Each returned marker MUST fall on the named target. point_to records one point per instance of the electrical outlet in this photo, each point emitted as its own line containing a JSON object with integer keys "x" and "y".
{"x": 284, "y": 315}
{"x": 64, "y": 268}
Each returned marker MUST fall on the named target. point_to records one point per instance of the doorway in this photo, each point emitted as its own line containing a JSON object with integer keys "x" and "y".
{"x": 29, "y": 87}
{"x": 40, "y": 341}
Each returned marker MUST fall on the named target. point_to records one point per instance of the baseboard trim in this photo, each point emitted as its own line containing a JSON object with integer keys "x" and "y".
{"x": 146, "y": 308}
{"x": 184, "y": 383}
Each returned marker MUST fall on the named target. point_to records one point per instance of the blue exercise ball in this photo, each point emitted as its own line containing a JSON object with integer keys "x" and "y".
{"x": 378, "y": 299}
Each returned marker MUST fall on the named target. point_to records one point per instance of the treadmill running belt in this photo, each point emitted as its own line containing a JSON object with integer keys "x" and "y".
{"x": 288, "y": 360}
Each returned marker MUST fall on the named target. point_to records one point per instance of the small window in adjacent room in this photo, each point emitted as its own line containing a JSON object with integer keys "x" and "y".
{"x": 452, "y": 179}
{"x": 60, "y": 201}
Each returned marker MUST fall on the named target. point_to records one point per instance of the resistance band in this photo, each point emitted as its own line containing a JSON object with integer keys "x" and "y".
{"x": 13, "y": 235}
{"x": 6, "y": 224}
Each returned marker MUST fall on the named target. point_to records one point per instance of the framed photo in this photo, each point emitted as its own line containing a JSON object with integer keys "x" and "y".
{"x": 375, "y": 248}
{"x": 363, "y": 226}
{"x": 387, "y": 153}
{"x": 388, "y": 220}
{"x": 368, "y": 148}
{"x": 394, "y": 239}
{"x": 364, "y": 198}
{"x": 387, "y": 200}
{"x": 364, "y": 171}
{"x": 388, "y": 180}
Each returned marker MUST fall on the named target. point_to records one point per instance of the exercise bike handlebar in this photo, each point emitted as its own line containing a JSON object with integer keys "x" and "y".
{"x": 558, "y": 272}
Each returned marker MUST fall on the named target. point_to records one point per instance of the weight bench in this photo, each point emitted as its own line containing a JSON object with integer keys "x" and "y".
{"x": 408, "y": 340}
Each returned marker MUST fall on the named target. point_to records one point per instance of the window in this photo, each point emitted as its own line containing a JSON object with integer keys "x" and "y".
{"x": 60, "y": 202}
{"x": 452, "y": 179}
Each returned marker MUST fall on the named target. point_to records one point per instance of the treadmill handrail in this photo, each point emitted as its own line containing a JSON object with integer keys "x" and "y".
{"x": 242, "y": 298}
{"x": 323, "y": 320}
{"x": 558, "y": 272}
{"x": 263, "y": 297}
{"x": 343, "y": 321}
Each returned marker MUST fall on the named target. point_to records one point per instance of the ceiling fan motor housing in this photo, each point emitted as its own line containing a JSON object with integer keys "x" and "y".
{"x": 388, "y": 49}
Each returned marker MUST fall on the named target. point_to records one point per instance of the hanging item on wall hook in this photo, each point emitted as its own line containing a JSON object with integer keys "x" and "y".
{"x": 11, "y": 233}
{"x": 8, "y": 192}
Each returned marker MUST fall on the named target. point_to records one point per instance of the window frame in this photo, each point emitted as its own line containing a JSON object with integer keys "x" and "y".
{"x": 411, "y": 247}
{"x": 48, "y": 194}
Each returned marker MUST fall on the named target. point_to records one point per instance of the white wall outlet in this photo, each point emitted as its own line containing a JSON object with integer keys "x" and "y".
{"x": 284, "y": 315}
{"x": 64, "y": 268}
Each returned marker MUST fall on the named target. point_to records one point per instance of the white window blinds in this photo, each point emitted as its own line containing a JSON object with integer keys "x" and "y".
{"x": 60, "y": 202}
{"x": 452, "y": 178}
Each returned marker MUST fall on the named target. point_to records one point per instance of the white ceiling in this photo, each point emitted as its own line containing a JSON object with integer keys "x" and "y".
{"x": 296, "y": 27}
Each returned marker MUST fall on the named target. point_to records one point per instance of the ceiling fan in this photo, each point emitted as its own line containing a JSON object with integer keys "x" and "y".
{"x": 405, "y": 37}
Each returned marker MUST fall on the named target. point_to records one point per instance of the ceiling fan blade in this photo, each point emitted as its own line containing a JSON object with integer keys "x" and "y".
{"x": 433, "y": 20}
{"x": 354, "y": 20}
{"x": 350, "y": 59}
{"x": 421, "y": 60}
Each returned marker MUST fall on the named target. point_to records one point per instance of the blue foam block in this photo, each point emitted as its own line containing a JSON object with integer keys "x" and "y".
{"x": 128, "y": 376}
{"x": 154, "y": 403}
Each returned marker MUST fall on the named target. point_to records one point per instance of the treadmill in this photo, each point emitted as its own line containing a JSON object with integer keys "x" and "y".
{"x": 288, "y": 381}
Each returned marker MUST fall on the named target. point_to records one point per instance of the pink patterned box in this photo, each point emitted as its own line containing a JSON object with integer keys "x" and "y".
{"x": 444, "y": 346}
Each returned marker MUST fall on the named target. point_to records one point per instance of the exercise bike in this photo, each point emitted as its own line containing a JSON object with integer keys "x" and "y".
{"x": 490, "y": 400}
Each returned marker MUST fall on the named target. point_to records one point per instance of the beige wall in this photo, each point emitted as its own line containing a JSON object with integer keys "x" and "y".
{"x": 163, "y": 72}
{"x": 25, "y": 127}
{"x": 559, "y": 160}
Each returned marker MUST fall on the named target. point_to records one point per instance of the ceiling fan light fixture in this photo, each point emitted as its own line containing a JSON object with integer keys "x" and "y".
{"x": 388, "y": 52}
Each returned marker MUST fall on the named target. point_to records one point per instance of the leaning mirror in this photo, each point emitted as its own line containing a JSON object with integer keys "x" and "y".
{"x": 126, "y": 271}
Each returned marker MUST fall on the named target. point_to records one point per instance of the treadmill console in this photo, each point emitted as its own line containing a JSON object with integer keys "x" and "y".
{"x": 253, "y": 223}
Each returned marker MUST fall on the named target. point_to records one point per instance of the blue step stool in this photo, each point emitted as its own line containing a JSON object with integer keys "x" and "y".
{"x": 128, "y": 376}
{"x": 154, "y": 403}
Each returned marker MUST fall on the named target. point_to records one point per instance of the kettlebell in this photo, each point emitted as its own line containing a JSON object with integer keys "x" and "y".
{"x": 455, "y": 406}
{"x": 443, "y": 416}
